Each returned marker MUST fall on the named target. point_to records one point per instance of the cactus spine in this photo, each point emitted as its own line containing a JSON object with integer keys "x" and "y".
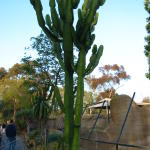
{"x": 59, "y": 27}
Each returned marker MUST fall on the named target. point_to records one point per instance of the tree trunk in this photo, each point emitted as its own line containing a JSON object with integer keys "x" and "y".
{"x": 14, "y": 115}
{"x": 28, "y": 127}
{"x": 41, "y": 132}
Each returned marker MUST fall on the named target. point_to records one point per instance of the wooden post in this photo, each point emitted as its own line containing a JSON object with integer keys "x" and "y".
{"x": 107, "y": 110}
{"x": 98, "y": 116}
{"x": 14, "y": 115}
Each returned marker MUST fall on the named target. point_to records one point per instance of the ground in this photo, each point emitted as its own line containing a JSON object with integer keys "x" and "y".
{"x": 19, "y": 143}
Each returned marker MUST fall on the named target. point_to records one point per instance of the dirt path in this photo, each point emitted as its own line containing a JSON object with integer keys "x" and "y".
{"x": 19, "y": 143}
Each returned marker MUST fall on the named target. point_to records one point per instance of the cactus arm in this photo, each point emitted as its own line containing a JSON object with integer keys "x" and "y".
{"x": 147, "y": 7}
{"x": 61, "y": 8}
{"x": 93, "y": 7}
{"x": 75, "y": 39}
{"x": 89, "y": 42}
{"x": 94, "y": 59}
{"x": 85, "y": 4}
{"x": 58, "y": 50}
{"x": 38, "y": 9}
{"x": 95, "y": 21}
{"x": 75, "y": 3}
{"x": 100, "y": 3}
{"x": 73, "y": 67}
{"x": 61, "y": 14}
{"x": 50, "y": 35}
{"x": 55, "y": 17}
{"x": 59, "y": 99}
{"x": 48, "y": 22}
{"x": 81, "y": 23}
{"x": 89, "y": 19}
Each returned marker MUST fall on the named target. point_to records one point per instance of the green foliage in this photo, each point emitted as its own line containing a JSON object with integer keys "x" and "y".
{"x": 12, "y": 87}
{"x": 23, "y": 116}
{"x": 58, "y": 139}
{"x": 55, "y": 140}
{"x": 108, "y": 81}
{"x": 34, "y": 138}
{"x": 88, "y": 98}
{"x": 41, "y": 108}
{"x": 21, "y": 124}
{"x": 147, "y": 38}
{"x": 3, "y": 73}
{"x": 58, "y": 97}
{"x": 45, "y": 65}
{"x": 7, "y": 113}
{"x": 44, "y": 74}
{"x": 34, "y": 133}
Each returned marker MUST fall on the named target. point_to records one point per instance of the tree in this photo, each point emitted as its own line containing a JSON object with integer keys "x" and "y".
{"x": 59, "y": 27}
{"x": 14, "y": 94}
{"x": 23, "y": 119}
{"x": 44, "y": 75}
{"x": 3, "y": 73}
{"x": 45, "y": 60}
{"x": 146, "y": 99}
{"x": 108, "y": 82}
{"x": 88, "y": 98}
{"x": 44, "y": 72}
{"x": 147, "y": 38}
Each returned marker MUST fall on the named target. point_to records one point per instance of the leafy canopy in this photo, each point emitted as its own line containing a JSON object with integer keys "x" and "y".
{"x": 108, "y": 82}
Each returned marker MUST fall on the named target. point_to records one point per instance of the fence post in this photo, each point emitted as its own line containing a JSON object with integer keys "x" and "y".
{"x": 84, "y": 110}
{"x": 96, "y": 120}
{"x": 116, "y": 146}
{"x": 107, "y": 111}
{"x": 124, "y": 122}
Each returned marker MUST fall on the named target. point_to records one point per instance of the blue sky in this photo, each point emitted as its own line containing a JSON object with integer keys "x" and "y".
{"x": 121, "y": 29}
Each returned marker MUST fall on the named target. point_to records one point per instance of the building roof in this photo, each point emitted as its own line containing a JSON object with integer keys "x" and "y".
{"x": 100, "y": 103}
{"x": 142, "y": 104}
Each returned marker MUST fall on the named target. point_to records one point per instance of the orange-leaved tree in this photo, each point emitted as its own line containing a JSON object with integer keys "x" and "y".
{"x": 109, "y": 80}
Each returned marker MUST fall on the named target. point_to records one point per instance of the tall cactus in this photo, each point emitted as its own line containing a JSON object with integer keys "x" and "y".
{"x": 59, "y": 27}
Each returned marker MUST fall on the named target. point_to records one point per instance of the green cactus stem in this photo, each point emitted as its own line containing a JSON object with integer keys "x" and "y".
{"x": 59, "y": 99}
{"x": 60, "y": 29}
{"x": 79, "y": 99}
{"x": 55, "y": 17}
{"x": 94, "y": 59}
{"x": 58, "y": 53}
{"x": 48, "y": 22}
{"x": 75, "y": 3}
{"x": 38, "y": 9}
{"x": 61, "y": 8}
